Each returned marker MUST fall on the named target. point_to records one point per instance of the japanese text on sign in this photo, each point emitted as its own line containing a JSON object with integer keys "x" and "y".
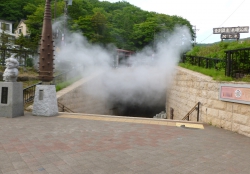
{"x": 244, "y": 29}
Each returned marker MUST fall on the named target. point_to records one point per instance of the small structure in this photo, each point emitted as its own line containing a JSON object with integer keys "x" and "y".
{"x": 22, "y": 29}
{"x": 11, "y": 91}
{"x": 45, "y": 101}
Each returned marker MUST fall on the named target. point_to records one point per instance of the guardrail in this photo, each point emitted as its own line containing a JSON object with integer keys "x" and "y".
{"x": 204, "y": 62}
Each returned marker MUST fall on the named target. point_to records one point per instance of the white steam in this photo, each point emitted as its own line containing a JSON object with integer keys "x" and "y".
{"x": 145, "y": 81}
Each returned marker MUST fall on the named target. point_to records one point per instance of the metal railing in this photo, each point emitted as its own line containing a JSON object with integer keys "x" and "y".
{"x": 64, "y": 108}
{"x": 29, "y": 93}
{"x": 237, "y": 63}
{"x": 196, "y": 107}
{"x": 204, "y": 62}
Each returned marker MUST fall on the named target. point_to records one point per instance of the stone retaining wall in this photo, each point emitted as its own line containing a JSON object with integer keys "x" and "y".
{"x": 188, "y": 88}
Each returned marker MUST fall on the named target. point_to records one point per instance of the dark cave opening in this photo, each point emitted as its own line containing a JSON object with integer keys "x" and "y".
{"x": 138, "y": 110}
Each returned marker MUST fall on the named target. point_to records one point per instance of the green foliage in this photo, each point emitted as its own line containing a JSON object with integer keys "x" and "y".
{"x": 120, "y": 23}
{"x": 12, "y": 10}
{"x": 217, "y": 50}
{"x": 246, "y": 78}
{"x": 29, "y": 62}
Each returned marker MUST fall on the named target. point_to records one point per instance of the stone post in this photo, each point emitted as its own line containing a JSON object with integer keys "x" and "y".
{"x": 11, "y": 92}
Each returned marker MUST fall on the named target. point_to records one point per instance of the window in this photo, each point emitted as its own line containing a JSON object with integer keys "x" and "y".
{"x": 19, "y": 31}
{"x": 5, "y": 26}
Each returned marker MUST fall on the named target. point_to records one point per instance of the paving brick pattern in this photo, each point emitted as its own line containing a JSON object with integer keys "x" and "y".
{"x": 58, "y": 145}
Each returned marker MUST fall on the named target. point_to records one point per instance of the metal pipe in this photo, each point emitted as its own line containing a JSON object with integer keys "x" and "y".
{"x": 198, "y": 111}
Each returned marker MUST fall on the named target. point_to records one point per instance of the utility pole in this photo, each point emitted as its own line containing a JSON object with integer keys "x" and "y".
{"x": 195, "y": 29}
{"x": 55, "y": 11}
{"x": 67, "y": 2}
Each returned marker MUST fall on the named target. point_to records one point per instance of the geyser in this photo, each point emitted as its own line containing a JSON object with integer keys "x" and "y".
{"x": 140, "y": 87}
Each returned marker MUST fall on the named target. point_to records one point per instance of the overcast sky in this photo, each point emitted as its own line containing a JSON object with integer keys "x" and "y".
{"x": 204, "y": 14}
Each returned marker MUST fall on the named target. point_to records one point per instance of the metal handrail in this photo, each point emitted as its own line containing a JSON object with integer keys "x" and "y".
{"x": 196, "y": 107}
{"x": 29, "y": 93}
{"x": 64, "y": 108}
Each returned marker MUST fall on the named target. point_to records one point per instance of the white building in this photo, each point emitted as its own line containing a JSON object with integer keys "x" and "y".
{"x": 8, "y": 26}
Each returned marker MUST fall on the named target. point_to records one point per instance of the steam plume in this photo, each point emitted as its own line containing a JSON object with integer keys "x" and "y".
{"x": 145, "y": 81}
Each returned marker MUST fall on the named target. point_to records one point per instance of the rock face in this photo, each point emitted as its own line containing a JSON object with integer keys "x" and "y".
{"x": 11, "y": 72}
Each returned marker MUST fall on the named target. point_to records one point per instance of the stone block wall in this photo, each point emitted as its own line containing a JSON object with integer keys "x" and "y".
{"x": 188, "y": 88}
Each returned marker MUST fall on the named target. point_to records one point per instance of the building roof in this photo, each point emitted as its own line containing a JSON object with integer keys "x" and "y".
{"x": 22, "y": 21}
{"x": 1, "y": 20}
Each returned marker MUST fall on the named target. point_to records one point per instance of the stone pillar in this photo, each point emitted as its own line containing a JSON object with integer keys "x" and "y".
{"x": 11, "y": 96}
{"x": 45, "y": 101}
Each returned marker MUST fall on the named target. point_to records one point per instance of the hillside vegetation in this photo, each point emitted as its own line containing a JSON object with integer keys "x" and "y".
{"x": 122, "y": 24}
{"x": 217, "y": 50}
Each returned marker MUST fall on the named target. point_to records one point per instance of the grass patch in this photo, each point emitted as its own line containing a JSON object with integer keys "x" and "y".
{"x": 62, "y": 85}
{"x": 218, "y": 75}
{"x": 2, "y": 68}
{"x": 246, "y": 78}
{"x": 29, "y": 83}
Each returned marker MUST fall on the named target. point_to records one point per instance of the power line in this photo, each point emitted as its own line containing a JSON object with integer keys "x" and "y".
{"x": 226, "y": 19}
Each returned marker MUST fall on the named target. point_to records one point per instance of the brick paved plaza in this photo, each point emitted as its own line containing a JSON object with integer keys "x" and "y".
{"x": 115, "y": 145}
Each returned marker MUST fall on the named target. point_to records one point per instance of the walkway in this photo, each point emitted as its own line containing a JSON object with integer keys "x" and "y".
{"x": 118, "y": 145}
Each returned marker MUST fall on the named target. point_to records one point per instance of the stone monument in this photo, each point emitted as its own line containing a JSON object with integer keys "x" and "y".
{"x": 45, "y": 101}
{"x": 11, "y": 91}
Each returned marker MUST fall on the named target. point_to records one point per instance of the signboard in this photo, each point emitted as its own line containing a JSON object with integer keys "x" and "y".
{"x": 4, "y": 95}
{"x": 230, "y": 36}
{"x": 244, "y": 29}
{"x": 235, "y": 93}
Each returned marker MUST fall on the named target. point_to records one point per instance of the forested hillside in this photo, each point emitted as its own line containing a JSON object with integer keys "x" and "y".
{"x": 120, "y": 23}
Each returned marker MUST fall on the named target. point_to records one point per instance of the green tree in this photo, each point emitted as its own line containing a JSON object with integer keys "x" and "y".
{"x": 5, "y": 43}
{"x": 12, "y": 10}
{"x": 84, "y": 24}
{"x": 121, "y": 23}
{"x": 143, "y": 34}
{"x": 99, "y": 23}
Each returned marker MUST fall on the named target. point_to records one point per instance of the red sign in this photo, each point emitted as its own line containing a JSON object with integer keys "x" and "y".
{"x": 235, "y": 94}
